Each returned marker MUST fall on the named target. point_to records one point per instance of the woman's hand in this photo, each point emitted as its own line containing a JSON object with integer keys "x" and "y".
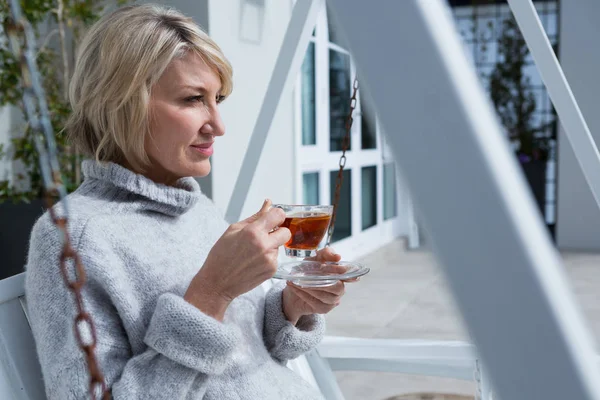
{"x": 243, "y": 258}
{"x": 298, "y": 301}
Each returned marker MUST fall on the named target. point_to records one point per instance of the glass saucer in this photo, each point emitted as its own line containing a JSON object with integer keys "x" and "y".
{"x": 319, "y": 273}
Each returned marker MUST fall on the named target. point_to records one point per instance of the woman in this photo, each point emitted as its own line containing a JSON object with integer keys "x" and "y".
{"x": 174, "y": 292}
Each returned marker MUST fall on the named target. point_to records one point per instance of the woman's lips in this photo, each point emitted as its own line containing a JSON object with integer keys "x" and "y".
{"x": 204, "y": 149}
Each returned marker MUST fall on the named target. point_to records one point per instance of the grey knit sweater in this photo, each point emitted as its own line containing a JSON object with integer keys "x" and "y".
{"x": 141, "y": 244}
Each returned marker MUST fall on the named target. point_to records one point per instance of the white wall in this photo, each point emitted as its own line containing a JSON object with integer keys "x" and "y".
{"x": 578, "y": 223}
{"x": 253, "y": 57}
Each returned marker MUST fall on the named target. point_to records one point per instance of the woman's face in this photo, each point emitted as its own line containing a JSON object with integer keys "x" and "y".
{"x": 184, "y": 120}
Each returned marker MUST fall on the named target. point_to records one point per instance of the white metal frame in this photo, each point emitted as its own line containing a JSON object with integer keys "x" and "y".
{"x": 448, "y": 359}
{"x": 20, "y": 374}
{"x": 495, "y": 249}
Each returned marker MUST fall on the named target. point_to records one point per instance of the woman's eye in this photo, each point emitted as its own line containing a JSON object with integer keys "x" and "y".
{"x": 195, "y": 99}
{"x": 200, "y": 99}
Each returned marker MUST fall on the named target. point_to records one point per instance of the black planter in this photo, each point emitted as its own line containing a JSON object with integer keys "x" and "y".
{"x": 16, "y": 221}
{"x": 535, "y": 172}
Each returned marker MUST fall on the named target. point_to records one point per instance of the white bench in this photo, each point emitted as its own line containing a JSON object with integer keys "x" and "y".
{"x": 20, "y": 374}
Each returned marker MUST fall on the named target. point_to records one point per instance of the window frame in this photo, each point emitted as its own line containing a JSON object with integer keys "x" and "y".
{"x": 319, "y": 158}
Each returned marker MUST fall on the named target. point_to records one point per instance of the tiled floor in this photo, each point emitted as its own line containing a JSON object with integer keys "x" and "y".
{"x": 405, "y": 296}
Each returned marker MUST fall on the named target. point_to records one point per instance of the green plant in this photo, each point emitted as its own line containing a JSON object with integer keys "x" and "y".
{"x": 513, "y": 97}
{"x": 58, "y": 26}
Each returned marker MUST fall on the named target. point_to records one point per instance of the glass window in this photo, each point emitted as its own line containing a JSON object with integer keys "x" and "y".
{"x": 343, "y": 222}
{"x": 339, "y": 97}
{"x": 389, "y": 191}
{"x": 308, "y": 97}
{"x": 369, "y": 196}
{"x": 310, "y": 188}
{"x": 367, "y": 126}
{"x": 508, "y": 73}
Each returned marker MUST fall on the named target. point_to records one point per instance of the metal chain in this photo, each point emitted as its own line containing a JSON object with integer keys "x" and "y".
{"x": 342, "y": 164}
{"x": 19, "y": 30}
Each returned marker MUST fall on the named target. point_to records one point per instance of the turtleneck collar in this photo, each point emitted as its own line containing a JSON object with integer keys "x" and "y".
{"x": 171, "y": 200}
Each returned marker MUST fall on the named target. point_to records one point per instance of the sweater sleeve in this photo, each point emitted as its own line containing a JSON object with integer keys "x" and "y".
{"x": 183, "y": 346}
{"x": 284, "y": 340}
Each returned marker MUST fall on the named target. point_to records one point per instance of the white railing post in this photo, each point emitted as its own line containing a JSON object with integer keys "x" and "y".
{"x": 324, "y": 376}
{"x": 414, "y": 239}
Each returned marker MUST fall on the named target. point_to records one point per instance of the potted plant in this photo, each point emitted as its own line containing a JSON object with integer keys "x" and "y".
{"x": 58, "y": 25}
{"x": 514, "y": 100}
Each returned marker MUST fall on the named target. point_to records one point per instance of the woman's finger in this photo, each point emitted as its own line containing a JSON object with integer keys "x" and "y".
{"x": 323, "y": 296}
{"x": 279, "y": 237}
{"x": 251, "y": 219}
{"x": 333, "y": 257}
{"x": 270, "y": 219}
{"x": 316, "y": 305}
{"x": 338, "y": 289}
{"x": 328, "y": 254}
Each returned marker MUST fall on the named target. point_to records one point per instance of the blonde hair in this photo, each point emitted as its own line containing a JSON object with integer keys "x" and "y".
{"x": 119, "y": 60}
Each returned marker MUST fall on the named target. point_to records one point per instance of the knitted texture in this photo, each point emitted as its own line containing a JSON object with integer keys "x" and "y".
{"x": 141, "y": 244}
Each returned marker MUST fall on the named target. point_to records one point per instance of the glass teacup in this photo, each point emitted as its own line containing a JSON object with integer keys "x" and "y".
{"x": 308, "y": 225}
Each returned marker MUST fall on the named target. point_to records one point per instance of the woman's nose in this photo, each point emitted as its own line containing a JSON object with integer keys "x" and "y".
{"x": 215, "y": 125}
